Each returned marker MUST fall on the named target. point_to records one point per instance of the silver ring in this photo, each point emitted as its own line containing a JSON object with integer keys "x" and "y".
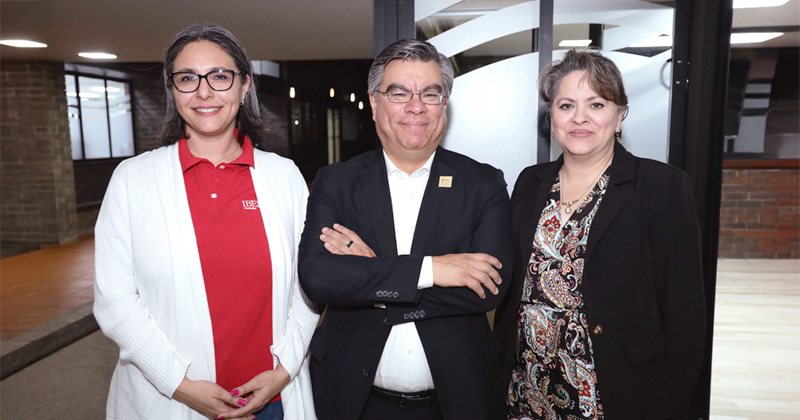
{"x": 349, "y": 243}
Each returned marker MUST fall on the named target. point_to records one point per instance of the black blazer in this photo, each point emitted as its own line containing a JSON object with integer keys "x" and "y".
{"x": 473, "y": 215}
{"x": 642, "y": 285}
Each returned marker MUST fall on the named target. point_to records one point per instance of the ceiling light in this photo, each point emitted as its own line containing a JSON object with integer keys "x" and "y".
{"x": 89, "y": 95}
{"x": 72, "y": 94}
{"x": 22, "y": 43}
{"x": 753, "y": 37}
{"x": 333, "y": 93}
{"x": 360, "y": 105}
{"x": 97, "y": 55}
{"x": 747, "y": 4}
{"x": 657, "y": 41}
{"x": 575, "y": 43}
{"x": 291, "y": 92}
{"x": 352, "y": 97}
{"x": 296, "y": 122}
{"x": 112, "y": 89}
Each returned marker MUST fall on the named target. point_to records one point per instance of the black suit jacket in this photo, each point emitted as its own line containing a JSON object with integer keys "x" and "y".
{"x": 473, "y": 215}
{"x": 642, "y": 285}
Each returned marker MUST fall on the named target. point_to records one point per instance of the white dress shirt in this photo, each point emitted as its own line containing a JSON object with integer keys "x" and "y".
{"x": 403, "y": 366}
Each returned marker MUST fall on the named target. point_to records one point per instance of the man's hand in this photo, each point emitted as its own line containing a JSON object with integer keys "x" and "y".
{"x": 475, "y": 271}
{"x": 258, "y": 391}
{"x": 207, "y": 397}
{"x": 336, "y": 241}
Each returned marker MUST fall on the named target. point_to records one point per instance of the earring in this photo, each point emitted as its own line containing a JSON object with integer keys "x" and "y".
{"x": 617, "y": 135}
{"x": 552, "y": 136}
{"x": 242, "y": 104}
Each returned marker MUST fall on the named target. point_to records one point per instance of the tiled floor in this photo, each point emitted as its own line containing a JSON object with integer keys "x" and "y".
{"x": 38, "y": 286}
{"x": 756, "y": 367}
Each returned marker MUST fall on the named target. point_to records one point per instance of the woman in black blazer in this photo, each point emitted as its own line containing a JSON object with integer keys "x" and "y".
{"x": 605, "y": 318}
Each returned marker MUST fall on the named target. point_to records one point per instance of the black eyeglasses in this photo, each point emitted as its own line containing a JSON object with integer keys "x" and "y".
{"x": 188, "y": 81}
{"x": 401, "y": 96}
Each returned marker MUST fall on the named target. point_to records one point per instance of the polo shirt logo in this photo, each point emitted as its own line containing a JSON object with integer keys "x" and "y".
{"x": 250, "y": 204}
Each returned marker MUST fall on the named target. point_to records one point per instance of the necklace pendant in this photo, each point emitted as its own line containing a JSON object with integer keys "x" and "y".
{"x": 568, "y": 210}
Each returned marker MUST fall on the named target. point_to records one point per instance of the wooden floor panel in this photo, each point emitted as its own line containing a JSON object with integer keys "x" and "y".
{"x": 756, "y": 362}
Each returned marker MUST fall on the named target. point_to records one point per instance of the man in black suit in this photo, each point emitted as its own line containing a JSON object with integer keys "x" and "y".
{"x": 408, "y": 246}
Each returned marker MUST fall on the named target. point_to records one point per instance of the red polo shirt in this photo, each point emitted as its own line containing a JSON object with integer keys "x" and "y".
{"x": 234, "y": 255}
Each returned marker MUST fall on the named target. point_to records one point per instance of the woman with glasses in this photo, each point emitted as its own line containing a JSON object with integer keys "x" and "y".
{"x": 605, "y": 316}
{"x": 196, "y": 243}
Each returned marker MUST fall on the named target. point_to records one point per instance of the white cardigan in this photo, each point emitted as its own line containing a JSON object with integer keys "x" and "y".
{"x": 150, "y": 297}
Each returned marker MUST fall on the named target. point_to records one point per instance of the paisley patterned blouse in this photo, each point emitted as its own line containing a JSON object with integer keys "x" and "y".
{"x": 554, "y": 375}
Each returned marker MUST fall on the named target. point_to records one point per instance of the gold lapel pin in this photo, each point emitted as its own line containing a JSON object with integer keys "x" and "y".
{"x": 445, "y": 181}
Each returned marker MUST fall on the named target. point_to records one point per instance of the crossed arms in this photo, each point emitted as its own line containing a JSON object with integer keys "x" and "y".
{"x": 470, "y": 281}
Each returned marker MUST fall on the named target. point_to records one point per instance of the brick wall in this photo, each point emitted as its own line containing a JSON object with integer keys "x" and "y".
{"x": 760, "y": 215}
{"x": 37, "y": 186}
{"x": 148, "y": 109}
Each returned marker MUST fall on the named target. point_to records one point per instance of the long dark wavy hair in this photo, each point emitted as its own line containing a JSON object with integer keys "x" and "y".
{"x": 248, "y": 119}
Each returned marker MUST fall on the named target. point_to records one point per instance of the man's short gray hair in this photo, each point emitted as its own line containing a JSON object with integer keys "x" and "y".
{"x": 412, "y": 50}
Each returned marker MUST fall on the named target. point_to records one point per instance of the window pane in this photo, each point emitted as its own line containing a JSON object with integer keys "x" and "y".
{"x": 94, "y": 119}
{"x": 73, "y": 113}
{"x": 119, "y": 107}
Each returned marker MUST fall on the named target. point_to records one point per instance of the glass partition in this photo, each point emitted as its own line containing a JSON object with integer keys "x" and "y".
{"x": 74, "y": 115}
{"x": 94, "y": 118}
{"x": 492, "y": 112}
{"x": 119, "y": 114}
{"x": 100, "y": 117}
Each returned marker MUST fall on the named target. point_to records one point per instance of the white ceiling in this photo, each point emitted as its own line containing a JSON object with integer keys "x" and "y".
{"x": 137, "y": 30}
{"x": 763, "y": 17}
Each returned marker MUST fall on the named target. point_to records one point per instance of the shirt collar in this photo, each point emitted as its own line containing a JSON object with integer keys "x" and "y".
{"x": 188, "y": 160}
{"x": 392, "y": 168}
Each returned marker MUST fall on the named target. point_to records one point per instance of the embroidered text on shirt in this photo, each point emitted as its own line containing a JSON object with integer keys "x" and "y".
{"x": 250, "y": 204}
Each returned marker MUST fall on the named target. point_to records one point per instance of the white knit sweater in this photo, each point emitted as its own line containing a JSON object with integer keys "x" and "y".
{"x": 150, "y": 297}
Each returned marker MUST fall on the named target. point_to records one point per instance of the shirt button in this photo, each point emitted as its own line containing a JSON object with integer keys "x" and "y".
{"x": 409, "y": 351}
{"x": 213, "y": 195}
{"x": 222, "y": 166}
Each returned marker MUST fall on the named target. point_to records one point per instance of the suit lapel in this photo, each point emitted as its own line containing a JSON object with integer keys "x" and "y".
{"x": 379, "y": 201}
{"x": 433, "y": 200}
{"x": 621, "y": 172}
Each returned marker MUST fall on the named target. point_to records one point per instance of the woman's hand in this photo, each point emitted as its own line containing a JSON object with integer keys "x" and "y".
{"x": 206, "y": 397}
{"x": 260, "y": 390}
{"x": 336, "y": 241}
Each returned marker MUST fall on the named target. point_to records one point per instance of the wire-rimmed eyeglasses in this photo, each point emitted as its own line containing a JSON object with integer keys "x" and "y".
{"x": 188, "y": 82}
{"x": 401, "y": 96}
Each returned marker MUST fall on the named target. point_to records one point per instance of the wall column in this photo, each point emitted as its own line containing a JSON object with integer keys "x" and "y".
{"x": 37, "y": 184}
